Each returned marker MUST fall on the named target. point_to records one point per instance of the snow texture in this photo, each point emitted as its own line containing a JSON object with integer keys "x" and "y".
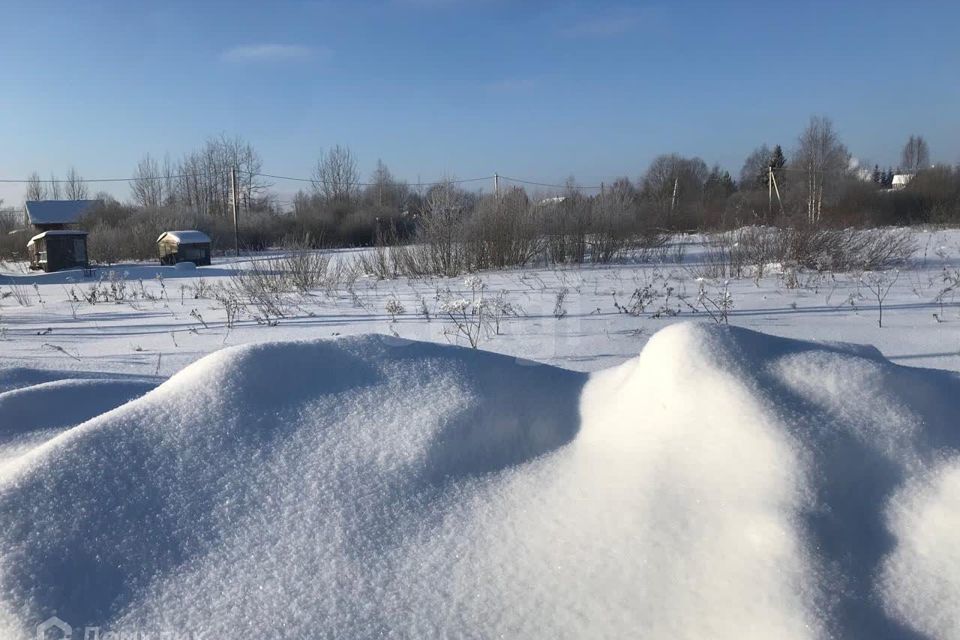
{"x": 722, "y": 484}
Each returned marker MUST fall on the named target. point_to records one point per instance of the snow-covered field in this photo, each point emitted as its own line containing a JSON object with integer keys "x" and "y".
{"x": 612, "y": 462}
{"x": 172, "y": 316}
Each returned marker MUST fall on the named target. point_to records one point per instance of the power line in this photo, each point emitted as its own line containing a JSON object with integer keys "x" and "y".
{"x": 367, "y": 184}
{"x": 88, "y": 180}
{"x": 274, "y": 176}
{"x": 545, "y": 184}
{"x": 203, "y": 175}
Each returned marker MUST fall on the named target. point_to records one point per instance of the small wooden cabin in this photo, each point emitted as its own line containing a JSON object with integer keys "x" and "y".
{"x": 184, "y": 246}
{"x": 58, "y": 249}
{"x": 57, "y": 246}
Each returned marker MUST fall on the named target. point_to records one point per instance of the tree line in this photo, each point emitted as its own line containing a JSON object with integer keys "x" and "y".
{"x": 816, "y": 183}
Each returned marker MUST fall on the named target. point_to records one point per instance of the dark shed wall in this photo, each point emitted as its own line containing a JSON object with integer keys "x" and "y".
{"x": 62, "y": 252}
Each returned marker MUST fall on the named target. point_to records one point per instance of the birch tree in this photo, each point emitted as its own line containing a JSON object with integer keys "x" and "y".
{"x": 824, "y": 162}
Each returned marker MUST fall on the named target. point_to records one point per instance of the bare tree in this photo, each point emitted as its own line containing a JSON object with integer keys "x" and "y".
{"x": 36, "y": 189}
{"x": 824, "y": 161}
{"x": 335, "y": 177}
{"x": 754, "y": 166}
{"x": 675, "y": 183}
{"x": 203, "y": 180}
{"x": 56, "y": 188}
{"x": 168, "y": 171}
{"x": 441, "y": 222}
{"x": 74, "y": 187}
{"x": 147, "y": 187}
{"x": 381, "y": 181}
{"x": 915, "y": 155}
{"x": 384, "y": 190}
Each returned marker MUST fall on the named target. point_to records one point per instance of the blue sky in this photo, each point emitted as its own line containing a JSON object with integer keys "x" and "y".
{"x": 540, "y": 90}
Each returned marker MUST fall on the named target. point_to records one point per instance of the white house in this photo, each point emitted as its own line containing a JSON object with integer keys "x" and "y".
{"x": 901, "y": 180}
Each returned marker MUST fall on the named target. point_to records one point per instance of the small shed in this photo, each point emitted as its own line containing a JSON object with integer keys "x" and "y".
{"x": 58, "y": 249}
{"x": 57, "y": 246}
{"x": 184, "y": 246}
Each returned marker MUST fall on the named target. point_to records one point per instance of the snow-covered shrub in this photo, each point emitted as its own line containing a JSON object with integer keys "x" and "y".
{"x": 305, "y": 268}
{"x": 376, "y": 262}
{"x": 847, "y": 249}
{"x": 395, "y": 308}
{"x": 716, "y": 302}
{"x": 502, "y": 232}
{"x": 231, "y": 303}
{"x": 263, "y": 286}
{"x": 879, "y": 284}
{"x": 473, "y": 317}
{"x": 495, "y": 309}
{"x": 558, "y": 309}
{"x": 17, "y": 292}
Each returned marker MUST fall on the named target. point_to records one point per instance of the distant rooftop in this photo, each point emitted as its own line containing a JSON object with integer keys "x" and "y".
{"x": 57, "y": 211}
{"x": 901, "y": 180}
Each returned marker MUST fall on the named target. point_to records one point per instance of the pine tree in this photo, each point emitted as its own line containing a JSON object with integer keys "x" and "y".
{"x": 720, "y": 183}
{"x": 888, "y": 178}
{"x": 877, "y": 176}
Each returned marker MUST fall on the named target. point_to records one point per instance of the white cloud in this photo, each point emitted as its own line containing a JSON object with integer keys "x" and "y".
{"x": 271, "y": 52}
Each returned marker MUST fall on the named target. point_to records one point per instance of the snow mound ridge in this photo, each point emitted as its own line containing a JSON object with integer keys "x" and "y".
{"x": 293, "y": 470}
{"x": 723, "y": 484}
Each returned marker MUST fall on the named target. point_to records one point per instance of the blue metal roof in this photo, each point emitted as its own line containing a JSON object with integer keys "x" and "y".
{"x": 57, "y": 211}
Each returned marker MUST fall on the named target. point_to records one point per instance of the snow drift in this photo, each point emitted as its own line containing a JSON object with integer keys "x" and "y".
{"x": 723, "y": 484}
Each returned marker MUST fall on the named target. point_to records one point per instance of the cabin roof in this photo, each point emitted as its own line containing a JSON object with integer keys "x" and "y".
{"x": 186, "y": 237}
{"x": 57, "y": 211}
{"x": 58, "y": 232}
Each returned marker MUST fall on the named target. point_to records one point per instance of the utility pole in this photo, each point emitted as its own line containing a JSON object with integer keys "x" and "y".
{"x": 769, "y": 191}
{"x": 496, "y": 184}
{"x": 776, "y": 189}
{"x": 233, "y": 202}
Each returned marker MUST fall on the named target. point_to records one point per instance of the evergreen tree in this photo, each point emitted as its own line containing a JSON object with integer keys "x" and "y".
{"x": 888, "y": 178}
{"x": 719, "y": 183}
{"x": 877, "y": 175}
